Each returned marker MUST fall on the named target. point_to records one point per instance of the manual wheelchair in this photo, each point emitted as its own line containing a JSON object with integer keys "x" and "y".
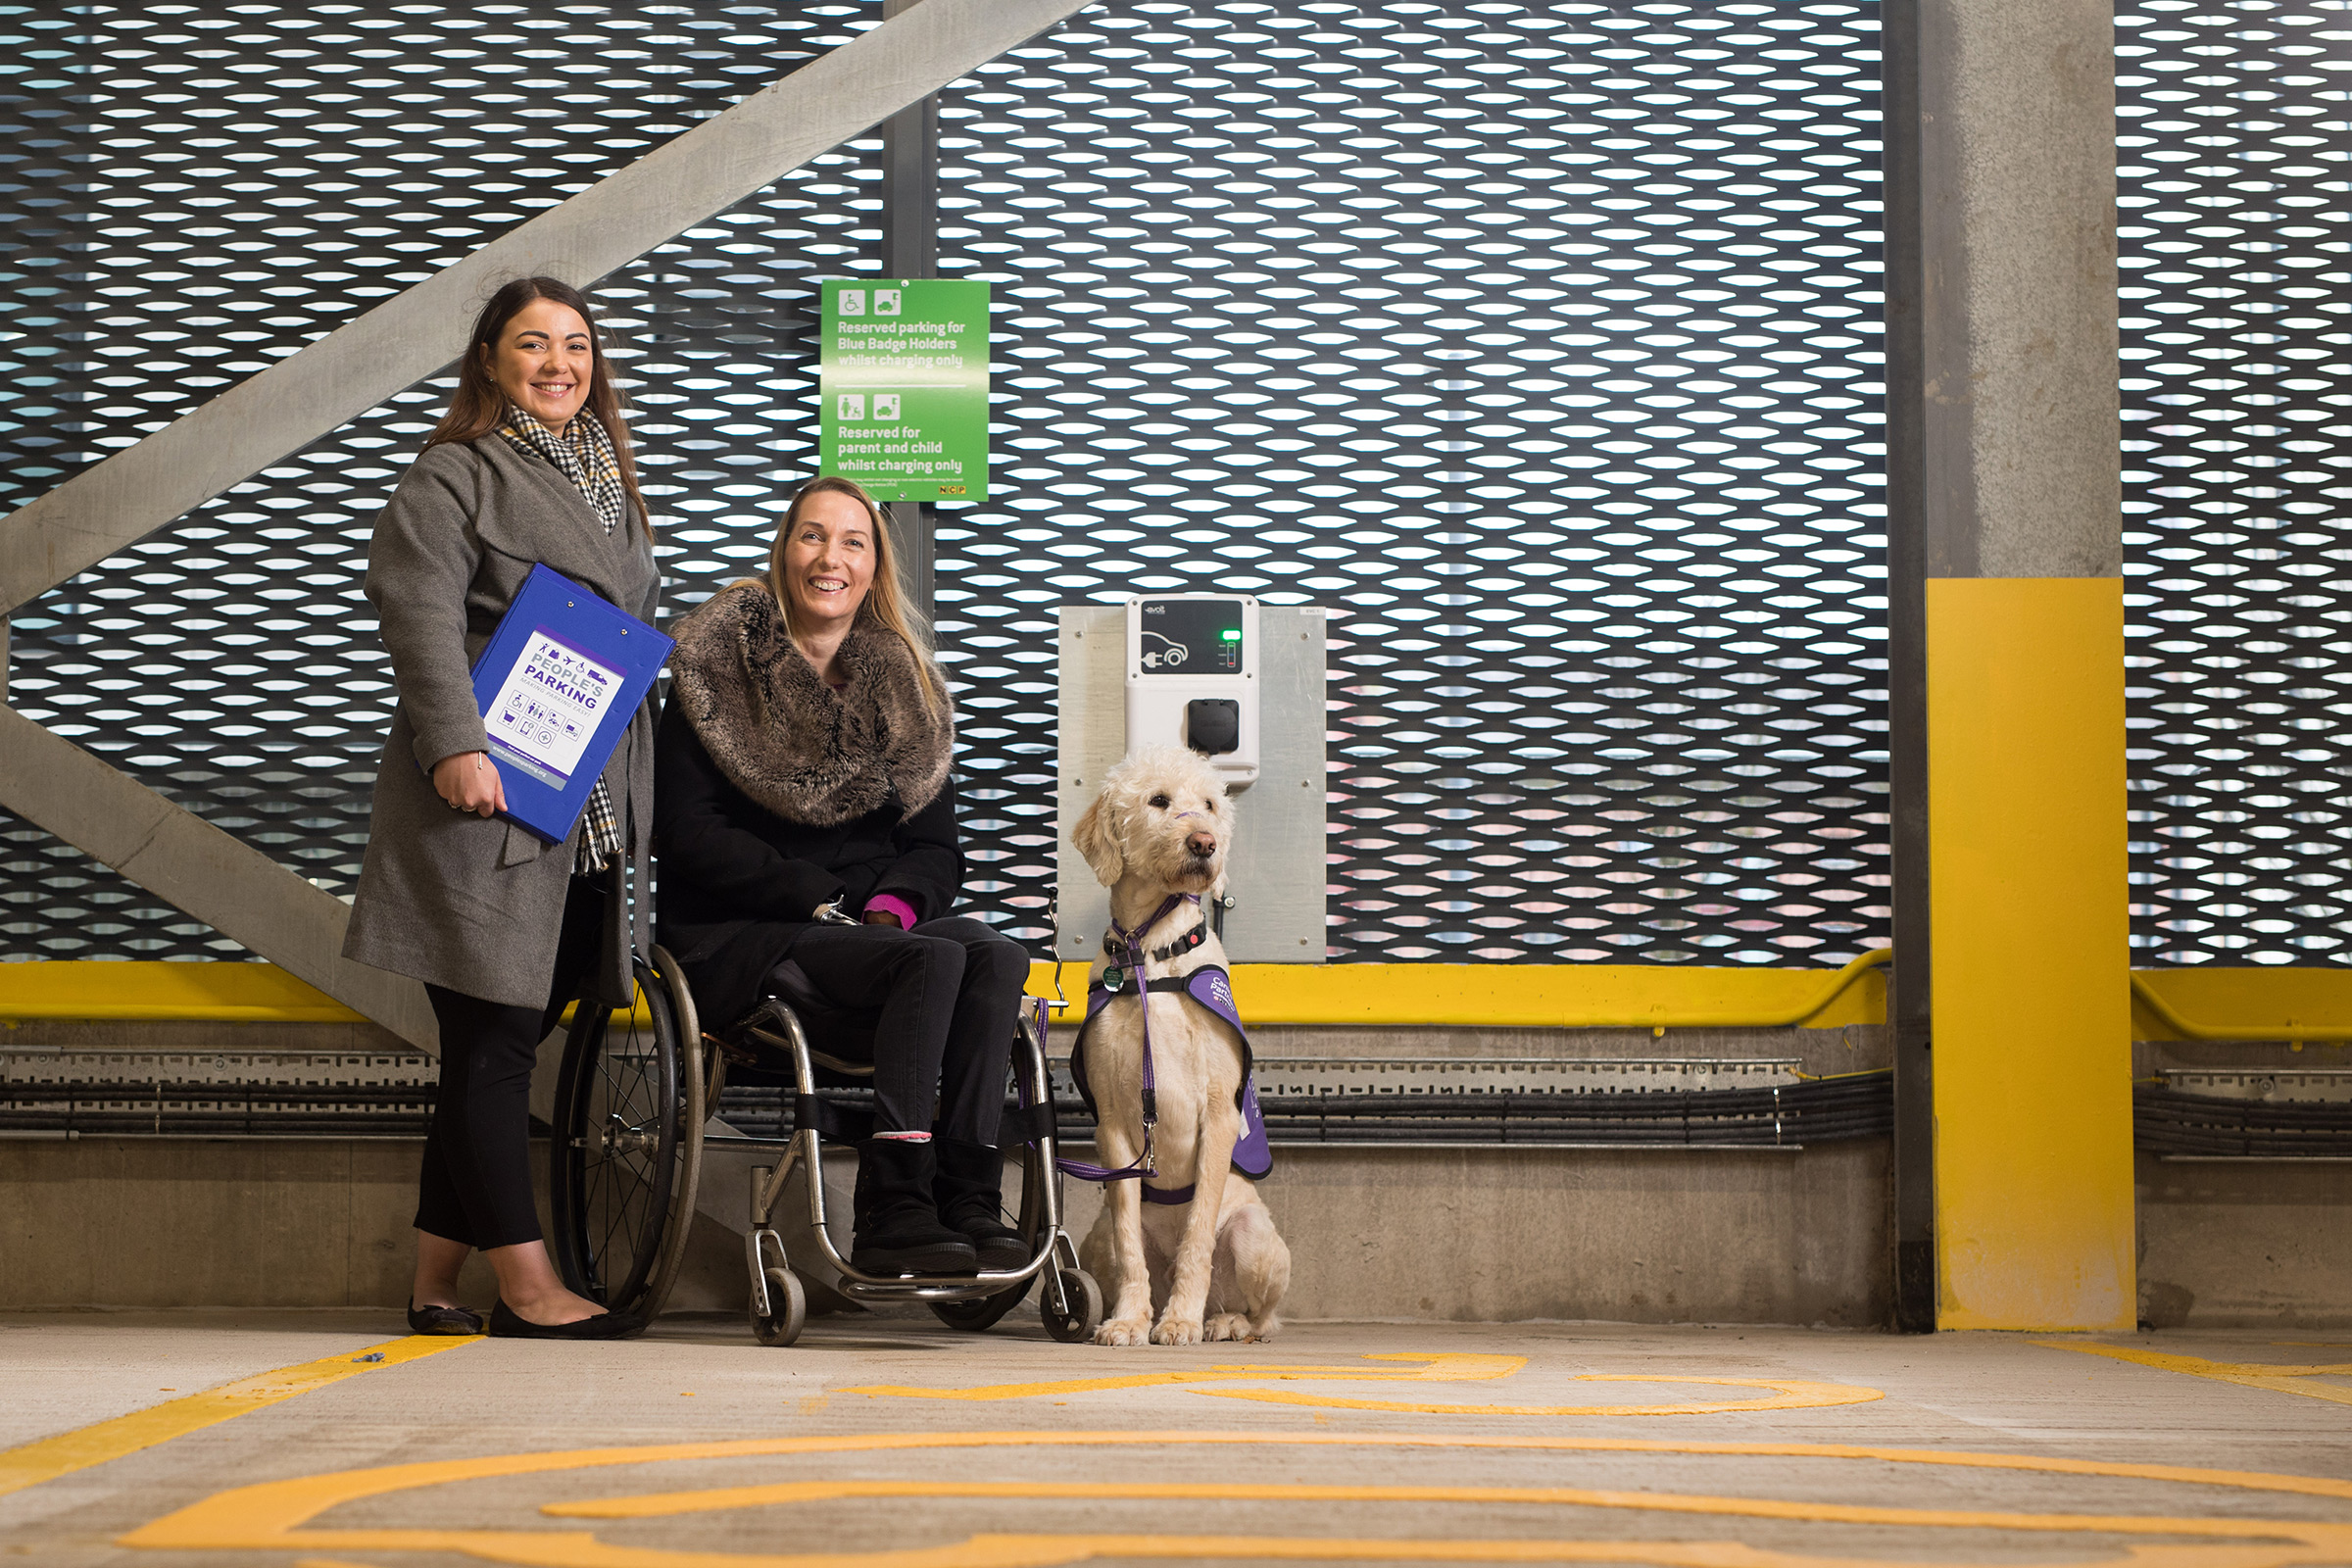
{"x": 634, "y": 1101}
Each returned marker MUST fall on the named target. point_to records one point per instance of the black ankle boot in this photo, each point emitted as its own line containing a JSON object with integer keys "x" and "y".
{"x": 897, "y": 1227}
{"x": 970, "y": 1193}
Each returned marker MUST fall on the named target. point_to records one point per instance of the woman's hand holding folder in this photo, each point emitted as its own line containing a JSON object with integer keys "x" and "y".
{"x": 469, "y": 782}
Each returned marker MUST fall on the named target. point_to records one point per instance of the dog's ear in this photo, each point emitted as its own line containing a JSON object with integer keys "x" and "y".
{"x": 1098, "y": 839}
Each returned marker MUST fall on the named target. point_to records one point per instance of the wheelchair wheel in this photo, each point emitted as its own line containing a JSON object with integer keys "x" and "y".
{"x": 1073, "y": 1313}
{"x": 788, "y": 1310}
{"x": 701, "y": 1069}
{"x": 982, "y": 1312}
{"x": 620, "y": 1128}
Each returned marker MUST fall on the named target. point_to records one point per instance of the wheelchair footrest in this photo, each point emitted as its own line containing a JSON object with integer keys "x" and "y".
{"x": 929, "y": 1288}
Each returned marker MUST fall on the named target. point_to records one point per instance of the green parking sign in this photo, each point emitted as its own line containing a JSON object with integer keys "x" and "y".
{"x": 903, "y": 381}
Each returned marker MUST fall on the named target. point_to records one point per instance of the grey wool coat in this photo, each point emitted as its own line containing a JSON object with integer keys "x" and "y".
{"x": 471, "y": 904}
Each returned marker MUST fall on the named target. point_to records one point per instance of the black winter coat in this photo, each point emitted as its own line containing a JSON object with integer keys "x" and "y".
{"x": 738, "y": 882}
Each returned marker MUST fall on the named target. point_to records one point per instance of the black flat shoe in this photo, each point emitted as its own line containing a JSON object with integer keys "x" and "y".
{"x": 506, "y": 1324}
{"x": 452, "y": 1321}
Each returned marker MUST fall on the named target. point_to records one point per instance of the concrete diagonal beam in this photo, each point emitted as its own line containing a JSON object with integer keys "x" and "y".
{"x": 325, "y": 385}
{"x": 193, "y": 866}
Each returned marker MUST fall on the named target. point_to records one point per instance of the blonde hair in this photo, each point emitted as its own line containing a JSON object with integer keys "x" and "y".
{"x": 887, "y": 604}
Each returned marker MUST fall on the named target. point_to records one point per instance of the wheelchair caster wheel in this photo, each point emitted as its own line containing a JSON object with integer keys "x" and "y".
{"x": 790, "y": 1304}
{"x": 975, "y": 1316}
{"x": 1073, "y": 1313}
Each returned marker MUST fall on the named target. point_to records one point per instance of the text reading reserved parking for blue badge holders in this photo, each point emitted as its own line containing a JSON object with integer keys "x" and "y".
{"x": 903, "y": 383}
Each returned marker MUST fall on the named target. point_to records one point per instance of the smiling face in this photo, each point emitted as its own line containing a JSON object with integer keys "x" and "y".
{"x": 828, "y": 563}
{"x": 542, "y": 360}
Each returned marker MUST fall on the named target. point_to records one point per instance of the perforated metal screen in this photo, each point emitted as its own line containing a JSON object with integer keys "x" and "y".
{"x": 198, "y": 190}
{"x": 1538, "y": 341}
{"x": 2235, "y": 120}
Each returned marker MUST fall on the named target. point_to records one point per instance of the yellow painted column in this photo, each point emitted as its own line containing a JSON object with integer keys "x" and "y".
{"x": 2031, "y": 982}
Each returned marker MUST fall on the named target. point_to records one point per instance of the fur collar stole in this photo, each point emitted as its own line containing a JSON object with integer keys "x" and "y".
{"x": 805, "y": 752}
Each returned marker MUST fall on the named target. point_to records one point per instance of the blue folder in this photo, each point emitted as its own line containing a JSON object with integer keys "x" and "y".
{"x": 555, "y": 686}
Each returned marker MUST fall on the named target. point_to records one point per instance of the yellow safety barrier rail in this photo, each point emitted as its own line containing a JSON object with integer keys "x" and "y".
{"x": 2190, "y": 1029}
{"x": 1582, "y": 995}
{"x": 2302, "y": 1005}
{"x": 227, "y": 992}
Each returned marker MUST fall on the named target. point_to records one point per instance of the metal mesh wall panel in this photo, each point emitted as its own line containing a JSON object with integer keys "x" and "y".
{"x": 241, "y": 180}
{"x": 1539, "y": 341}
{"x": 2237, "y": 397}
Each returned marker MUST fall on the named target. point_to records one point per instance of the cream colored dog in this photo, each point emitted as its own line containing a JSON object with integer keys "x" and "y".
{"x": 1215, "y": 1267}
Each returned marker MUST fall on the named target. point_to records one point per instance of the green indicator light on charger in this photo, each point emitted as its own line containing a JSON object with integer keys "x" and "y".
{"x": 1231, "y": 636}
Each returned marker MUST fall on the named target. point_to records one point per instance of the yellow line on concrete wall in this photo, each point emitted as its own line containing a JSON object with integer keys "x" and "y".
{"x": 2032, "y": 979}
{"x": 47, "y": 1459}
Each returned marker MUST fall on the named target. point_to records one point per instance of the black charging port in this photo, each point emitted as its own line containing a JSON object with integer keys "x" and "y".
{"x": 1213, "y": 724}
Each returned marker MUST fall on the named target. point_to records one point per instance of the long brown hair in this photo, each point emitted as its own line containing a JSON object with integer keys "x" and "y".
{"x": 887, "y": 601}
{"x": 481, "y": 408}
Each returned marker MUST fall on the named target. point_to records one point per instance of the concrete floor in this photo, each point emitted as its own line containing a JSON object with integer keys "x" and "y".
{"x": 897, "y": 1441}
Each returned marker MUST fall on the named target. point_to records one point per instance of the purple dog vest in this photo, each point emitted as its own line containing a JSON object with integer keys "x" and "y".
{"x": 1212, "y": 988}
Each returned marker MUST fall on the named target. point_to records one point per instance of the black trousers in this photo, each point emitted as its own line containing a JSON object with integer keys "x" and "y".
{"x": 948, "y": 993}
{"x": 475, "y": 1187}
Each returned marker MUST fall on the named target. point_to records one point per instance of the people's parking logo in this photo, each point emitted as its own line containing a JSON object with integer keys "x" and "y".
{"x": 851, "y": 407}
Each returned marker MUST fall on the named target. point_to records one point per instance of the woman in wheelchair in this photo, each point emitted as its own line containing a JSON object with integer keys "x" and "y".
{"x": 805, "y": 824}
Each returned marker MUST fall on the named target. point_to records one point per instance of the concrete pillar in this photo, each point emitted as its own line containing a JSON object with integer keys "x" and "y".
{"x": 2005, "y": 536}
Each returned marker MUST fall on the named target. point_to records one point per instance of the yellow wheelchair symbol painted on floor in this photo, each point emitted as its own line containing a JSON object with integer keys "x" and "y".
{"x": 1784, "y": 1393}
{"x": 277, "y": 1516}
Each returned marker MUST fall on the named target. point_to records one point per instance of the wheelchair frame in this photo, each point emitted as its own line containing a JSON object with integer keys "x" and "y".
{"x": 1072, "y": 1301}
{"x": 661, "y": 1146}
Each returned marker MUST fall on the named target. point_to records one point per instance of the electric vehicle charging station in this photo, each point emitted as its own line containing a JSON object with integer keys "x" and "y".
{"x": 1191, "y": 678}
{"x": 1238, "y": 681}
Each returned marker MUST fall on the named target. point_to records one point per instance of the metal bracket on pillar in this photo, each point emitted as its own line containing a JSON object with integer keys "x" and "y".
{"x": 1907, "y": 994}
{"x": 910, "y": 249}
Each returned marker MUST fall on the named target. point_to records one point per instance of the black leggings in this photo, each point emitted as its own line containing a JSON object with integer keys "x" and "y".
{"x": 947, "y": 992}
{"x": 475, "y": 1187}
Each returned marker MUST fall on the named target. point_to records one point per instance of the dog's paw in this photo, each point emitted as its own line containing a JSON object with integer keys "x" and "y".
{"x": 1124, "y": 1330}
{"x": 1173, "y": 1332}
{"x": 1226, "y": 1326}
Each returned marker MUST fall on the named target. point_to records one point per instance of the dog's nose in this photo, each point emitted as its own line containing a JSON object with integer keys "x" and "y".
{"x": 1200, "y": 845}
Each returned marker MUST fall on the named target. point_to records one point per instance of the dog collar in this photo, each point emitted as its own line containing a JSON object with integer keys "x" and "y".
{"x": 1114, "y": 950}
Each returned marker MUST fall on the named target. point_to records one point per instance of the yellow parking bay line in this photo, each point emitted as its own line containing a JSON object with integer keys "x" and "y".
{"x": 50, "y": 1457}
{"x": 2278, "y": 1379}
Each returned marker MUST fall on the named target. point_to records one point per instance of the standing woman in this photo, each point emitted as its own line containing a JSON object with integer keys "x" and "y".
{"x": 531, "y": 464}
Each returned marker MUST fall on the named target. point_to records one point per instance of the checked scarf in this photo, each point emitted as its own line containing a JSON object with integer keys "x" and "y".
{"x": 582, "y": 454}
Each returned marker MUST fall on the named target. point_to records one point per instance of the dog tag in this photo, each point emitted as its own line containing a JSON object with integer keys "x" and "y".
{"x": 1113, "y": 979}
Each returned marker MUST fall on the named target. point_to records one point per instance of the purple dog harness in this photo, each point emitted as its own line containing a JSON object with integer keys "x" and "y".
{"x": 1209, "y": 986}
